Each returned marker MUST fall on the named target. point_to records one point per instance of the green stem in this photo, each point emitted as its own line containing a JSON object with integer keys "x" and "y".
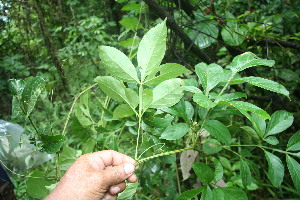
{"x": 72, "y": 107}
{"x": 225, "y": 86}
{"x": 162, "y": 154}
{"x": 140, "y": 114}
{"x": 261, "y": 147}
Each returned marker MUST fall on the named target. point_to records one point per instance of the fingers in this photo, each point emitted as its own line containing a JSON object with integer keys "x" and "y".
{"x": 118, "y": 174}
{"x": 101, "y": 159}
{"x": 116, "y": 189}
{"x": 109, "y": 197}
{"x": 132, "y": 178}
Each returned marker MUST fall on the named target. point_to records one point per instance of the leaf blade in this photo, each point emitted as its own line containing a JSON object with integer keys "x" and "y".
{"x": 118, "y": 64}
{"x": 151, "y": 49}
{"x": 275, "y": 169}
{"x": 167, "y": 93}
{"x": 218, "y": 130}
{"x": 266, "y": 84}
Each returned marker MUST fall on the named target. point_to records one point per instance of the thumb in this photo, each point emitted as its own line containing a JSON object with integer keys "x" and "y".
{"x": 117, "y": 174}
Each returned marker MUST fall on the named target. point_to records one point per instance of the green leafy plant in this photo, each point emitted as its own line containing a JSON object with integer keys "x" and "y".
{"x": 202, "y": 118}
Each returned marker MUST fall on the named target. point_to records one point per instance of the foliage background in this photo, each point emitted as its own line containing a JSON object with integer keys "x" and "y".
{"x": 58, "y": 41}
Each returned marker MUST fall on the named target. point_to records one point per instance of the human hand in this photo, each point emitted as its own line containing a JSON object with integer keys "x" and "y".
{"x": 95, "y": 176}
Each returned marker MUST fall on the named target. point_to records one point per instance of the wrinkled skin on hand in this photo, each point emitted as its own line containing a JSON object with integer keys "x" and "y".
{"x": 94, "y": 176}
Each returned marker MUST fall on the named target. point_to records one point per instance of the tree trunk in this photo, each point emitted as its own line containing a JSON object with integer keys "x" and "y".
{"x": 50, "y": 46}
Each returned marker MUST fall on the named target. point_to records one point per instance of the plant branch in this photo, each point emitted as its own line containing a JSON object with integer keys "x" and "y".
{"x": 72, "y": 107}
{"x": 171, "y": 23}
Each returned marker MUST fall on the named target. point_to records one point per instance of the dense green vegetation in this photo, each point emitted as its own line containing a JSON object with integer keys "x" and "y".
{"x": 212, "y": 91}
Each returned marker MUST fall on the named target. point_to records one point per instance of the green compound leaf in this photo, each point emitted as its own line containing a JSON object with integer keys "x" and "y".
{"x": 245, "y": 173}
{"x": 209, "y": 75}
{"x": 231, "y": 96}
{"x": 218, "y": 130}
{"x": 166, "y": 71}
{"x": 129, "y": 191}
{"x": 280, "y": 121}
{"x": 190, "y": 193}
{"x": 36, "y": 185}
{"x": 203, "y": 172}
{"x": 118, "y": 64}
{"x": 294, "y": 169}
{"x": 152, "y": 49}
{"x": 131, "y": 23}
{"x": 176, "y": 131}
{"x": 275, "y": 170}
{"x": 266, "y": 84}
{"x": 211, "y": 146}
{"x": 123, "y": 110}
{"x": 246, "y": 60}
{"x": 245, "y": 107}
{"x": 31, "y": 92}
{"x": 294, "y": 142}
{"x": 229, "y": 193}
{"x": 203, "y": 101}
{"x": 167, "y": 93}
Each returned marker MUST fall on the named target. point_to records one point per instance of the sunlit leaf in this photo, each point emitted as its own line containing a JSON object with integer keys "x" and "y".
{"x": 266, "y": 84}
{"x": 248, "y": 107}
{"x": 246, "y": 60}
{"x": 118, "y": 64}
{"x": 209, "y": 75}
{"x": 152, "y": 49}
{"x": 166, "y": 71}
{"x": 167, "y": 93}
{"x": 203, "y": 101}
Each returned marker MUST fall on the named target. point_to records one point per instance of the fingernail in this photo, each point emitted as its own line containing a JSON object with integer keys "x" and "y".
{"x": 128, "y": 168}
{"x": 106, "y": 197}
{"x": 115, "y": 190}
